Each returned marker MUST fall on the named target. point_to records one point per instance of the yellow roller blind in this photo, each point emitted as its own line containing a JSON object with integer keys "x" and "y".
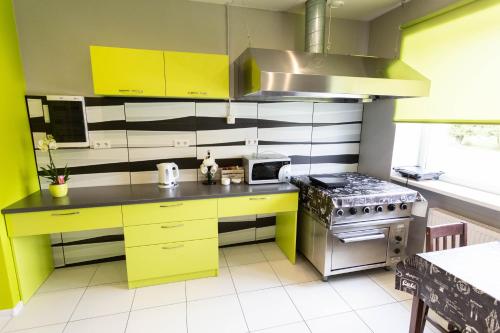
{"x": 459, "y": 51}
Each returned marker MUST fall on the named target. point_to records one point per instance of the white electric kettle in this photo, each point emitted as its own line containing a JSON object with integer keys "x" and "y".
{"x": 168, "y": 173}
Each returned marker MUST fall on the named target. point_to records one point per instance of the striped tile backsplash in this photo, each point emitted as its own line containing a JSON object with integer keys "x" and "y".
{"x": 318, "y": 137}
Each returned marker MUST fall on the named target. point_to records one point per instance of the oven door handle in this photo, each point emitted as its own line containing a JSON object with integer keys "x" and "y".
{"x": 361, "y": 238}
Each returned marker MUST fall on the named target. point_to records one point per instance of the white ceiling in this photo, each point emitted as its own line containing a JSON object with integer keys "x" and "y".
{"x": 363, "y": 10}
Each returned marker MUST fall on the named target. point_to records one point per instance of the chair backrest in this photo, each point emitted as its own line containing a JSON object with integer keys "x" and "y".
{"x": 445, "y": 232}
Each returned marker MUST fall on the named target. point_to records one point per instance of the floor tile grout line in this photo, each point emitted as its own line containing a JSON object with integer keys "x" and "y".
{"x": 364, "y": 322}
{"x": 239, "y": 301}
{"x": 290, "y": 298}
{"x": 186, "y": 305}
{"x": 349, "y": 305}
{"x": 130, "y": 310}
{"x": 80, "y": 299}
{"x": 277, "y": 326}
{"x": 381, "y": 287}
{"x": 33, "y": 327}
{"x": 6, "y": 323}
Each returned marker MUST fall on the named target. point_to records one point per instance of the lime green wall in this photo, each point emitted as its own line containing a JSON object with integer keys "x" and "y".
{"x": 17, "y": 165}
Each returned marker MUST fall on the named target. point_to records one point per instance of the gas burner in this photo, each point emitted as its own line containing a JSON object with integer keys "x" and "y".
{"x": 362, "y": 198}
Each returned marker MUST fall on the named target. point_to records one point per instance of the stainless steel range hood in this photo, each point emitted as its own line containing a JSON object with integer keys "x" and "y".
{"x": 276, "y": 75}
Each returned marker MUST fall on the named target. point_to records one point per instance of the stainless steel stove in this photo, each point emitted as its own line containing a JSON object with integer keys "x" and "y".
{"x": 362, "y": 225}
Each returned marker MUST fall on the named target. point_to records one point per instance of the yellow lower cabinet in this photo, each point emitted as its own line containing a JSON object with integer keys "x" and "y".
{"x": 169, "y": 211}
{"x": 67, "y": 220}
{"x": 161, "y": 263}
{"x": 170, "y": 232}
{"x": 258, "y": 204}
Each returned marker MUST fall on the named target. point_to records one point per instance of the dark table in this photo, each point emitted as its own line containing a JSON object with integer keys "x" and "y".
{"x": 462, "y": 285}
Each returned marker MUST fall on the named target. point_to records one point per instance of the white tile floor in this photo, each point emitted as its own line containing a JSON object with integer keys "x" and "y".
{"x": 257, "y": 290}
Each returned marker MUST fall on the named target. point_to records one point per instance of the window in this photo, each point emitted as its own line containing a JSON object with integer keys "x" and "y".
{"x": 468, "y": 154}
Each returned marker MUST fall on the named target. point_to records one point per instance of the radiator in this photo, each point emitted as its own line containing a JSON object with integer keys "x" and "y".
{"x": 476, "y": 232}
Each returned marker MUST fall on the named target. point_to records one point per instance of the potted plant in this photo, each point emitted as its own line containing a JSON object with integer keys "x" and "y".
{"x": 59, "y": 182}
{"x": 208, "y": 167}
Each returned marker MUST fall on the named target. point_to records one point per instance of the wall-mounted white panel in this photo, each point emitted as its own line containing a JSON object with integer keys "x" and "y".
{"x": 226, "y": 137}
{"x": 336, "y": 133}
{"x": 143, "y": 112}
{"x": 287, "y": 112}
{"x": 333, "y": 113}
{"x": 159, "y": 124}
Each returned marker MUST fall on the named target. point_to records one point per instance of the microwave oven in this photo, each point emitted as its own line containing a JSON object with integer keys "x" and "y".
{"x": 66, "y": 121}
{"x": 267, "y": 168}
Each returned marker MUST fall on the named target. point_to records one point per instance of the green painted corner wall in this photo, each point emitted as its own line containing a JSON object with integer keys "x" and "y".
{"x": 17, "y": 166}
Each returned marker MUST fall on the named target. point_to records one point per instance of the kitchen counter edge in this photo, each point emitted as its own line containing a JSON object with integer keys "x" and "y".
{"x": 117, "y": 195}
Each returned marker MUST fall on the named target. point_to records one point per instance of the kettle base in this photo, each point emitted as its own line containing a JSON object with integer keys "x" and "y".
{"x": 167, "y": 185}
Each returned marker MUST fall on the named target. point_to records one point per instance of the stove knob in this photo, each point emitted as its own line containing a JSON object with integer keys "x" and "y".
{"x": 397, "y": 251}
{"x": 403, "y": 206}
{"x": 391, "y": 207}
{"x": 366, "y": 210}
{"x": 353, "y": 211}
{"x": 340, "y": 212}
{"x": 398, "y": 238}
{"x": 379, "y": 209}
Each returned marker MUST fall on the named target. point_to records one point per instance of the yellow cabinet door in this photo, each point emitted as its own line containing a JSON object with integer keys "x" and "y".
{"x": 258, "y": 204}
{"x": 170, "y": 232}
{"x": 169, "y": 211}
{"x": 127, "y": 72}
{"x": 196, "y": 75}
{"x": 164, "y": 260}
{"x": 67, "y": 220}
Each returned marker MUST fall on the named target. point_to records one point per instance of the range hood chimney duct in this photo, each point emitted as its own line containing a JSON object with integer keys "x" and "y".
{"x": 315, "y": 26}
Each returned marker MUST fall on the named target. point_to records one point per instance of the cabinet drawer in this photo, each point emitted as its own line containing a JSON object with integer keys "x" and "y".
{"x": 258, "y": 204}
{"x": 55, "y": 221}
{"x": 163, "y": 260}
{"x": 169, "y": 211}
{"x": 170, "y": 232}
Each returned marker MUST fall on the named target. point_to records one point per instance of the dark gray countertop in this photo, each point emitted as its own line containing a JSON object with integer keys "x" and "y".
{"x": 98, "y": 196}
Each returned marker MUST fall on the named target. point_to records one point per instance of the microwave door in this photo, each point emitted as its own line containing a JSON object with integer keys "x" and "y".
{"x": 266, "y": 171}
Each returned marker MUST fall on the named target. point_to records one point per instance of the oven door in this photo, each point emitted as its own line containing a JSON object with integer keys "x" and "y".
{"x": 359, "y": 248}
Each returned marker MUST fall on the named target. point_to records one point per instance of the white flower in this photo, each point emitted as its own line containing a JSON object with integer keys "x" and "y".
{"x": 209, "y": 161}
{"x": 203, "y": 169}
{"x": 42, "y": 145}
{"x": 52, "y": 145}
{"x": 47, "y": 143}
{"x": 214, "y": 168}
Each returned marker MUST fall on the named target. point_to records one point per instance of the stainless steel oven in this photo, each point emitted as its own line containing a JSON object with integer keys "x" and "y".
{"x": 341, "y": 248}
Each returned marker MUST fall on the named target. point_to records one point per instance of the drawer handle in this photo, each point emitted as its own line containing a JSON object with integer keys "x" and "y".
{"x": 65, "y": 214}
{"x": 260, "y": 198}
{"x": 172, "y": 226}
{"x": 172, "y": 247}
{"x": 168, "y": 206}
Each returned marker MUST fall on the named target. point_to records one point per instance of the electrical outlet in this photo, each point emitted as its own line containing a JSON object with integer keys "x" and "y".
{"x": 101, "y": 144}
{"x": 251, "y": 142}
{"x": 181, "y": 143}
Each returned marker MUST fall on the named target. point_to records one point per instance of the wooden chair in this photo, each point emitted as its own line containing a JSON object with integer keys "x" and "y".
{"x": 438, "y": 238}
{"x": 442, "y": 234}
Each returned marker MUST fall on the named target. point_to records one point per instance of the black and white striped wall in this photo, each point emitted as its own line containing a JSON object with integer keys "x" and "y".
{"x": 319, "y": 138}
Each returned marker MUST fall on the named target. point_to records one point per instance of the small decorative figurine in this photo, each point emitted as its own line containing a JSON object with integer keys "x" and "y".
{"x": 208, "y": 167}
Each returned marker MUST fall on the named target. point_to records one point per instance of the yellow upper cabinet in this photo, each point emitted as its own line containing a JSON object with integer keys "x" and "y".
{"x": 127, "y": 72}
{"x": 196, "y": 75}
{"x": 133, "y": 72}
